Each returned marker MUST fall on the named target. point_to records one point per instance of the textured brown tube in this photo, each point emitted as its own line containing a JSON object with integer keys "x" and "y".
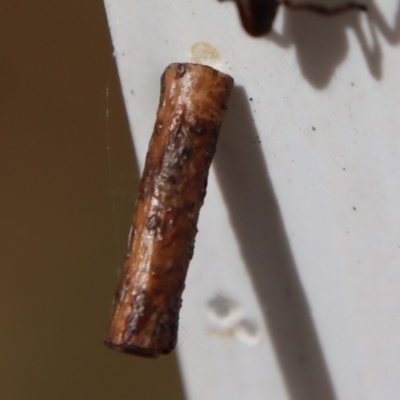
{"x": 146, "y": 307}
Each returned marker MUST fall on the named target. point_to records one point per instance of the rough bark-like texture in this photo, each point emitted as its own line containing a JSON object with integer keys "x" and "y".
{"x": 146, "y": 307}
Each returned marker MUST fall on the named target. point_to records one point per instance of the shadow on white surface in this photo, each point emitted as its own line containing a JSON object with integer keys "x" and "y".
{"x": 256, "y": 220}
{"x": 322, "y": 42}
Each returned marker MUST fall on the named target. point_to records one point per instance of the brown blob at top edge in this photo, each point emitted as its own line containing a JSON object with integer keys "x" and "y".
{"x": 257, "y": 16}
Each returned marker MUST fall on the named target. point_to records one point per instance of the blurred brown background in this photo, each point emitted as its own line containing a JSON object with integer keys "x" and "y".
{"x": 68, "y": 183}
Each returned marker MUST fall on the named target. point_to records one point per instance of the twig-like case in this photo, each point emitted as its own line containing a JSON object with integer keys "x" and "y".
{"x": 146, "y": 307}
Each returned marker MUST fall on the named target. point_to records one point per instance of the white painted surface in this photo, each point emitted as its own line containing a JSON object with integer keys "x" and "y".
{"x": 294, "y": 290}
